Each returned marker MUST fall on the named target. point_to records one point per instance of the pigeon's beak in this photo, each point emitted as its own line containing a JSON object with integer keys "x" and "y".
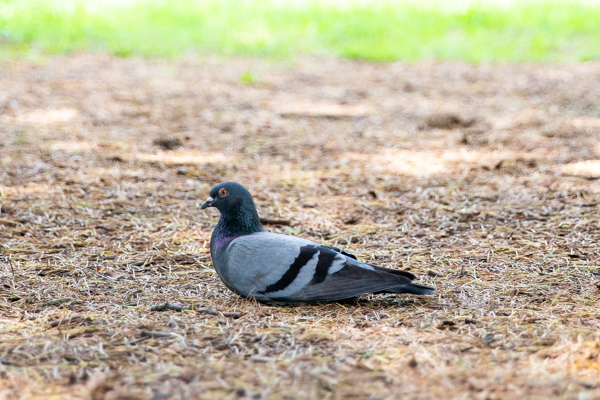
{"x": 207, "y": 203}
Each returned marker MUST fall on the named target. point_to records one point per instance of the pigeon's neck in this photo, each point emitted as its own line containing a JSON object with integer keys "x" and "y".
{"x": 235, "y": 223}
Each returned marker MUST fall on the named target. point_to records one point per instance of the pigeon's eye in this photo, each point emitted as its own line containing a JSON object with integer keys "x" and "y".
{"x": 223, "y": 192}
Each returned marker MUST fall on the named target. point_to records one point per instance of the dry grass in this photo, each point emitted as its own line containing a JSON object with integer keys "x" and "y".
{"x": 467, "y": 176}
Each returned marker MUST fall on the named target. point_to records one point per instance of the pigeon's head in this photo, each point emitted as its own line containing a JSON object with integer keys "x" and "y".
{"x": 228, "y": 196}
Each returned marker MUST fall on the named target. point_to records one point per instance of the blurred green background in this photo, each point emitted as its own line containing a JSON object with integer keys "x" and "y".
{"x": 385, "y": 30}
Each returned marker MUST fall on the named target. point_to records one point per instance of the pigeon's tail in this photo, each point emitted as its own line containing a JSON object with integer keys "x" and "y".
{"x": 412, "y": 288}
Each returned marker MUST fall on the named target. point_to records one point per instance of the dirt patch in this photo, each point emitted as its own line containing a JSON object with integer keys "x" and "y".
{"x": 168, "y": 143}
{"x": 104, "y": 164}
{"x": 447, "y": 121}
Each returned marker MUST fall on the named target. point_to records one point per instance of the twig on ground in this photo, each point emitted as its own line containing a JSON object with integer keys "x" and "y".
{"x": 8, "y": 222}
{"x": 154, "y": 334}
{"x": 55, "y": 302}
{"x": 69, "y": 320}
{"x": 275, "y": 221}
{"x": 12, "y": 269}
{"x": 140, "y": 340}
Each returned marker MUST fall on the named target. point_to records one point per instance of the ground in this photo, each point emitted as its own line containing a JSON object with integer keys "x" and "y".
{"x": 480, "y": 180}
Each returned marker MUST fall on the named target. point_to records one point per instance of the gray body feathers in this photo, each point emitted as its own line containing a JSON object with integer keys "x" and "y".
{"x": 280, "y": 268}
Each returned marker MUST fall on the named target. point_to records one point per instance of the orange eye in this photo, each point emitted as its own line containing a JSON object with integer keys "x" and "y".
{"x": 223, "y": 192}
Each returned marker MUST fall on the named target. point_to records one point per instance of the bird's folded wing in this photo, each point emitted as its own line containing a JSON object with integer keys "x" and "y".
{"x": 268, "y": 265}
{"x": 391, "y": 271}
{"x": 272, "y": 266}
{"x": 353, "y": 280}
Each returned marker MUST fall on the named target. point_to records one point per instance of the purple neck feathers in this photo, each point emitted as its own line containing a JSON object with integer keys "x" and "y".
{"x": 235, "y": 223}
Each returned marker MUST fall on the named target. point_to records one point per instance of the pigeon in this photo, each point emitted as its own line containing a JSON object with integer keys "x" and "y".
{"x": 284, "y": 269}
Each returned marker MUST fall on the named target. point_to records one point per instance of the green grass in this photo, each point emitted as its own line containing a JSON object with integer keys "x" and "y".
{"x": 381, "y": 30}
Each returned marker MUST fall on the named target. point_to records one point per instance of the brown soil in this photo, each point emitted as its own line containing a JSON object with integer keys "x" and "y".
{"x": 481, "y": 180}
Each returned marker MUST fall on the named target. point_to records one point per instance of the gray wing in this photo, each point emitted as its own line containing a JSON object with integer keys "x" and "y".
{"x": 356, "y": 279}
{"x": 275, "y": 267}
{"x": 270, "y": 266}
